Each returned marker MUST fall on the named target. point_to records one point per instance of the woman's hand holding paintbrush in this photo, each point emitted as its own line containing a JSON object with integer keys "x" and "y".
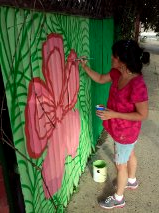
{"x": 83, "y": 60}
{"x": 95, "y": 76}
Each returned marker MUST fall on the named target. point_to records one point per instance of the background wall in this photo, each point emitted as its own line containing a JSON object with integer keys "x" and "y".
{"x": 22, "y": 36}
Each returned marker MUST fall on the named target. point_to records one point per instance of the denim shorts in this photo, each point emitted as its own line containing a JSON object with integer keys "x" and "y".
{"x": 122, "y": 152}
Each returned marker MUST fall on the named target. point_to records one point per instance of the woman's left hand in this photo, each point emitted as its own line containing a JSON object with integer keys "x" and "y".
{"x": 105, "y": 114}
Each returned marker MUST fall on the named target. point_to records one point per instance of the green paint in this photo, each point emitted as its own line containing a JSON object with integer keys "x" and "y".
{"x": 101, "y": 40}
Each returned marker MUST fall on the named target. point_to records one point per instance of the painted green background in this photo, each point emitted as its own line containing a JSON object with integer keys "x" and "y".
{"x": 21, "y": 36}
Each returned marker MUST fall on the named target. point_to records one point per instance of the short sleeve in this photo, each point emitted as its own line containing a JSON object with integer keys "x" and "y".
{"x": 114, "y": 74}
{"x": 139, "y": 91}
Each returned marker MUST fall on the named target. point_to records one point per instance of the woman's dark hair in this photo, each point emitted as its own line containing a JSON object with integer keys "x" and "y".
{"x": 129, "y": 52}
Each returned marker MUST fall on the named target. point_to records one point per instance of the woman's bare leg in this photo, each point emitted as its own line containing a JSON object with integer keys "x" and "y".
{"x": 122, "y": 178}
{"x": 132, "y": 165}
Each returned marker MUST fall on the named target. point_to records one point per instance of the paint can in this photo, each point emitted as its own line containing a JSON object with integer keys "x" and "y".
{"x": 100, "y": 107}
{"x": 99, "y": 171}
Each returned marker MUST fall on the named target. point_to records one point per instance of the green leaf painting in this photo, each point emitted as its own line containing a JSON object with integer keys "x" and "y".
{"x": 23, "y": 36}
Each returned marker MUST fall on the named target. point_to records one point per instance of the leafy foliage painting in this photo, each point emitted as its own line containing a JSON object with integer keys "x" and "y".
{"x": 30, "y": 80}
{"x": 49, "y": 99}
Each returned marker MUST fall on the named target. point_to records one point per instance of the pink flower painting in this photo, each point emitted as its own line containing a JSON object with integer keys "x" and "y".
{"x": 52, "y": 122}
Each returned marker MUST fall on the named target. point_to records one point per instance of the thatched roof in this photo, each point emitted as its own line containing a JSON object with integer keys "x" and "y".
{"x": 91, "y": 8}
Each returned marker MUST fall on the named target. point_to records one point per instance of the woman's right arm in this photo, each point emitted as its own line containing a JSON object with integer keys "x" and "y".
{"x": 99, "y": 78}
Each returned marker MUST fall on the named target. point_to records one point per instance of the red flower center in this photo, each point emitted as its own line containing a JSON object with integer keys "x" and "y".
{"x": 59, "y": 113}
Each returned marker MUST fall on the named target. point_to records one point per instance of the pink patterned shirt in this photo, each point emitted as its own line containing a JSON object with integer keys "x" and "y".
{"x": 123, "y": 100}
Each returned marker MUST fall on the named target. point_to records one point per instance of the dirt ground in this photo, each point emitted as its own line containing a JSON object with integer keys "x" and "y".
{"x": 145, "y": 198}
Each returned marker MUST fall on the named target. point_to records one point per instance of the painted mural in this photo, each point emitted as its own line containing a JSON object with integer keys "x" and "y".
{"x": 49, "y": 99}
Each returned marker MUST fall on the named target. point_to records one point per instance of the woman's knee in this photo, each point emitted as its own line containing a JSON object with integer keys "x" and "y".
{"x": 132, "y": 155}
{"x": 121, "y": 167}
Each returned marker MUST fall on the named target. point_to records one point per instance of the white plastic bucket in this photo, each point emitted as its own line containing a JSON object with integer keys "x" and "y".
{"x": 99, "y": 171}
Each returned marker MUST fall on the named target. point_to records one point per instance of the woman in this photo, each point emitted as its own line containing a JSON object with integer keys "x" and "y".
{"x": 127, "y": 106}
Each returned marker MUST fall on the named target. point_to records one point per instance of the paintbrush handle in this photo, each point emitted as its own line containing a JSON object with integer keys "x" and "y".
{"x": 79, "y": 59}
